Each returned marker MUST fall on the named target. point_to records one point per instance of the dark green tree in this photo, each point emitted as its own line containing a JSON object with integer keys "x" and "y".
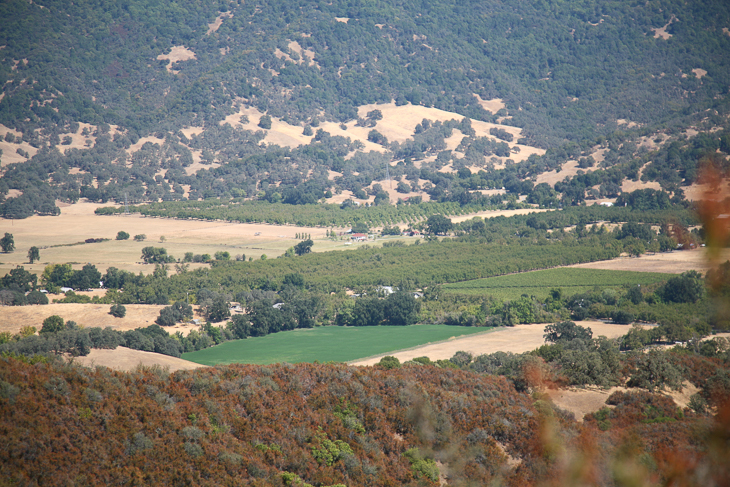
{"x": 239, "y": 326}
{"x": 7, "y": 242}
{"x": 52, "y": 324}
{"x": 566, "y": 331}
{"x": 122, "y": 235}
{"x": 219, "y": 310}
{"x": 303, "y": 247}
{"x": 265, "y": 122}
{"x": 635, "y": 295}
{"x": 156, "y": 255}
{"x": 367, "y": 312}
{"x": 118, "y": 311}
{"x": 167, "y": 317}
{"x": 686, "y": 288}
{"x": 654, "y": 370}
{"x": 438, "y": 225}
{"x": 401, "y": 309}
{"x": 33, "y": 254}
{"x": 36, "y": 297}
{"x": 19, "y": 279}
{"x": 87, "y": 278}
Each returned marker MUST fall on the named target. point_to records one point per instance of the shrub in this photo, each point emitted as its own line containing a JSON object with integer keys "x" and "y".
{"x": 420, "y": 465}
{"x": 654, "y": 371}
{"x": 139, "y": 442}
{"x": 156, "y": 255}
{"x": 118, "y": 311}
{"x": 36, "y": 297}
{"x": 622, "y": 317}
{"x": 265, "y": 122}
{"x": 687, "y": 288}
{"x": 52, "y": 324}
{"x": 389, "y": 362}
{"x": 141, "y": 237}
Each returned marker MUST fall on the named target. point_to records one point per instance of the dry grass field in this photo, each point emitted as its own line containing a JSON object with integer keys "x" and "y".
{"x": 12, "y": 318}
{"x": 516, "y": 339}
{"x": 126, "y": 359}
{"x": 78, "y": 222}
{"x": 495, "y": 213}
{"x": 667, "y": 262}
{"x": 581, "y": 401}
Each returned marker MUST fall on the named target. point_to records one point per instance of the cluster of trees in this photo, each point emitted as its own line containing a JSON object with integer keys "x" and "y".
{"x": 67, "y": 337}
{"x": 571, "y": 356}
{"x": 56, "y": 276}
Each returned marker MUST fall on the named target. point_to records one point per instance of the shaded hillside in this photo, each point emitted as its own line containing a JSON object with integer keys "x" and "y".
{"x": 282, "y": 101}
{"x": 332, "y": 424}
{"x": 325, "y": 423}
{"x": 565, "y": 71}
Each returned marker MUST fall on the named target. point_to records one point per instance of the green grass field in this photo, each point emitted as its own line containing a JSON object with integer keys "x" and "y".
{"x": 330, "y": 343}
{"x": 539, "y": 283}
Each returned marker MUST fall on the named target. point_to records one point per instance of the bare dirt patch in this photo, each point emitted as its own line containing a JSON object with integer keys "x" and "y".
{"x": 280, "y": 133}
{"x": 90, "y": 315}
{"x": 516, "y": 339}
{"x": 399, "y": 124}
{"x": 697, "y": 192}
{"x": 628, "y": 123}
{"x": 215, "y": 25}
{"x": 126, "y": 359}
{"x": 494, "y": 105}
{"x": 177, "y": 54}
{"x": 569, "y": 169}
{"x": 627, "y": 186}
{"x": 699, "y": 72}
{"x": 10, "y": 149}
{"x": 306, "y": 56}
{"x": 142, "y": 141}
{"x": 661, "y": 32}
{"x": 582, "y": 401}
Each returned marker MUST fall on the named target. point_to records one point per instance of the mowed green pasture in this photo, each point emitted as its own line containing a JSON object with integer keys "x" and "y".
{"x": 328, "y": 343}
{"x": 539, "y": 283}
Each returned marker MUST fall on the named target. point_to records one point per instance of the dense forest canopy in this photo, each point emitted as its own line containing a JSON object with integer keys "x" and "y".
{"x": 566, "y": 70}
{"x": 568, "y": 75}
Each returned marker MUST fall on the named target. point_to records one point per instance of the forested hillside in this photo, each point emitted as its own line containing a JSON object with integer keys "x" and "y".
{"x": 83, "y": 83}
{"x": 324, "y": 425}
{"x": 564, "y": 68}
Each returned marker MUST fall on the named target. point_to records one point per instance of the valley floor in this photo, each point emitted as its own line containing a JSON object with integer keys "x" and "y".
{"x": 515, "y": 339}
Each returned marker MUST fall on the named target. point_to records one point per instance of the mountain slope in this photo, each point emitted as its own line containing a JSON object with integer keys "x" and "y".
{"x": 565, "y": 71}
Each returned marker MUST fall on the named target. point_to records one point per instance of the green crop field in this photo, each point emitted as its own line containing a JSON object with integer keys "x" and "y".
{"x": 330, "y": 343}
{"x": 539, "y": 283}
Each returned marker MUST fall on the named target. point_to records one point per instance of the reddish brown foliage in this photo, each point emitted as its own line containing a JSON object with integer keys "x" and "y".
{"x": 65, "y": 424}
{"x": 240, "y": 424}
